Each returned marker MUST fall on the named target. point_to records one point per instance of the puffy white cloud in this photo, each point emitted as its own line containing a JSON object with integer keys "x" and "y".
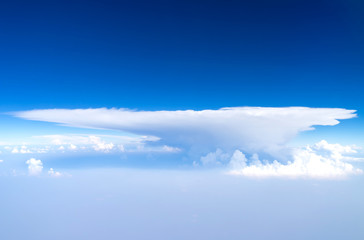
{"x": 335, "y": 151}
{"x": 1, "y": 160}
{"x": 213, "y": 159}
{"x": 251, "y": 129}
{"x": 22, "y": 149}
{"x": 100, "y": 145}
{"x": 15, "y": 150}
{"x": 35, "y": 166}
{"x": 238, "y": 160}
{"x": 72, "y": 147}
{"x": 53, "y": 173}
{"x": 322, "y": 160}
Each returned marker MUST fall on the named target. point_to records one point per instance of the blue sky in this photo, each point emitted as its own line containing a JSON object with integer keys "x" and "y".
{"x": 145, "y": 108}
{"x": 181, "y": 55}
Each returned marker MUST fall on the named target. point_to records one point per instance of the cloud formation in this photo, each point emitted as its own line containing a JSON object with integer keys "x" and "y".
{"x": 322, "y": 160}
{"x": 223, "y": 137}
{"x": 35, "y": 167}
{"x": 53, "y": 173}
{"x": 22, "y": 149}
{"x": 250, "y": 129}
{"x": 100, "y": 145}
{"x": 87, "y": 143}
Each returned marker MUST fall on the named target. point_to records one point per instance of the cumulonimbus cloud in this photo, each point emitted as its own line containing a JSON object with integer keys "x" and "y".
{"x": 250, "y": 129}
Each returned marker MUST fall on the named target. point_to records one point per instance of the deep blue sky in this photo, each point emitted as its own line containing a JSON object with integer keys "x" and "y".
{"x": 181, "y": 54}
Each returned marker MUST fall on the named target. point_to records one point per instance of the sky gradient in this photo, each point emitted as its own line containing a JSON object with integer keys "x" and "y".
{"x": 181, "y": 119}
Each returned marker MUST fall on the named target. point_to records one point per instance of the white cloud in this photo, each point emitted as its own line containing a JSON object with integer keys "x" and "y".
{"x": 53, "y": 173}
{"x": 42, "y": 150}
{"x": 243, "y": 131}
{"x": 213, "y": 159}
{"x": 72, "y": 147}
{"x": 86, "y": 139}
{"x": 22, "y": 149}
{"x": 85, "y": 142}
{"x": 1, "y": 160}
{"x": 167, "y": 148}
{"x": 121, "y": 148}
{"x": 15, "y": 150}
{"x": 35, "y": 166}
{"x": 100, "y": 145}
{"x": 308, "y": 162}
{"x": 336, "y": 151}
{"x": 238, "y": 160}
{"x": 251, "y": 129}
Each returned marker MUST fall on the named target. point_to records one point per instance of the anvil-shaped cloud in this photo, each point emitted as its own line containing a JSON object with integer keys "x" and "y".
{"x": 249, "y": 129}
